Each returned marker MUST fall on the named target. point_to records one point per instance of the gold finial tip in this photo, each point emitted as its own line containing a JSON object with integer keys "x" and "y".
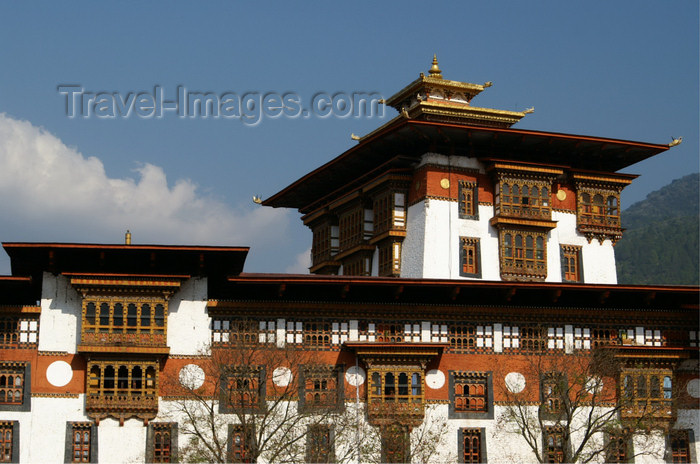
{"x": 435, "y": 69}
{"x": 127, "y": 238}
{"x": 675, "y": 142}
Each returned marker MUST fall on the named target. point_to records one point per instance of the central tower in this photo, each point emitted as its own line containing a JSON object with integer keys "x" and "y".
{"x": 449, "y": 190}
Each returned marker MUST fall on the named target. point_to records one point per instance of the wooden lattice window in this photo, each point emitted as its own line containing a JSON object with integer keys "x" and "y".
{"x": 389, "y": 258}
{"x": 647, "y": 391}
{"x": 470, "y": 257}
{"x": 6, "y": 437}
{"x": 351, "y": 228}
{"x": 601, "y": 208}
{"x": 532, "y": 339}
{"x": 162, "y": 443}
{"x": 124, "y": 320}
{"x": 618, "y": 447}
{"x": 390, "y": 333}
{"x": 360, "y": 265}
{"x": 81, "y": 442}
{"x": 244, "y": 388}
{"x": 320, "y": 387}
{"x": 117, "y": 387}
{"x": 523, "y": 254}
{"x": 319, "y": 444}
{"x": 553, "y": 391}
{"x": 242, "y": 443}
{"x": 471, "y": 446}
{"x": 470, "y": 392}
{"x": 396, "y": 386}
{"x": 468, "y": 200}
{"x": 524, "y": 199}
{"x": 18, "y": 332}
{"x": 395, "y": 443}
{"x": 554, "y": 444}
{"x": 235, "y": 332}
{"x": 321, "y": 244}
{"x": 680, "y": 446}
{"x": 571, "y": 269}
{"x": 601, "y": 337}
{"x": 317, "y": 334}
{"x": 12, "y": 383}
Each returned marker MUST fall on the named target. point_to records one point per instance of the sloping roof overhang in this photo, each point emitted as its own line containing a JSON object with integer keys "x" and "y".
{"x": 403, "y": 141}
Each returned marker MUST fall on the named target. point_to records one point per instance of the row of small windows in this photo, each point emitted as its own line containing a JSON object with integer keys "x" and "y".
{"x": 462, "y": 337}
{"x": 127, "y": 318}
{"x": 82, "y": 447}
{"x": 599, "y": 210}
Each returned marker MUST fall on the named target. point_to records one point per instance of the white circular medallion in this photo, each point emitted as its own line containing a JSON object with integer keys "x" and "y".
{"x": 355, "y": 376}
{"x": 515, "y": 382}
{"x": 191, "y": 376}
{"x": 282, "y": 376}
{"x": 435, "y": 379}
{"x": 694, "y": 388}
{"x": 59, "y": 373}
{"x": 594, "y": 385}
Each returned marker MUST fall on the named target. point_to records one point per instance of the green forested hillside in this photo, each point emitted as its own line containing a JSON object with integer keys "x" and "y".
{"x": 660, "y": 245}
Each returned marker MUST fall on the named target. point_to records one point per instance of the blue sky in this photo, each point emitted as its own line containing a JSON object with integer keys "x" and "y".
{"x": 624, "y": 69}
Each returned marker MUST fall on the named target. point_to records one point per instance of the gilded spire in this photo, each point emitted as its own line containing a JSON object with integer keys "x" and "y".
{"x": 434, "y": 69}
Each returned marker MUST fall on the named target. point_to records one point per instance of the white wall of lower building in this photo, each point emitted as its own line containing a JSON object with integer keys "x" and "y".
{"x": 121, "y": 444}
{"x": 188, "y": 322}
{"x": 59, "y": 323}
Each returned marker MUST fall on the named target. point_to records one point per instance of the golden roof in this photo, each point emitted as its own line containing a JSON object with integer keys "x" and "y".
{"x": 433, "y": 98}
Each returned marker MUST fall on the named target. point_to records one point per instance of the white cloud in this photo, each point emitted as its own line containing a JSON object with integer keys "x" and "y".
{"x": 301, "y": 263}
{"x": 51, "y": 192}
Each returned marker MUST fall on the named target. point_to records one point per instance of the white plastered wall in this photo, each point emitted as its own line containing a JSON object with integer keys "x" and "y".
{"x": 59, "y": 323}
{"x": 598, "y": 259}
{"x": 432, "y": 245}
{"x": 42, "y": 431}
{"x": 188, "y": 322}
{"x": 121, "y": 444}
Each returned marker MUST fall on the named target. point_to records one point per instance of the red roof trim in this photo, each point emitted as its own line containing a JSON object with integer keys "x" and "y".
{"x": 317, "y": 279}
{"x": 122, "y": 247}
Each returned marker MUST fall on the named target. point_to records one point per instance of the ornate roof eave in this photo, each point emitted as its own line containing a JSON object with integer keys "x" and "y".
{"x": 125, "y": 283}
{"x": 413, "y": 138}
{"x": 424, "y": 81}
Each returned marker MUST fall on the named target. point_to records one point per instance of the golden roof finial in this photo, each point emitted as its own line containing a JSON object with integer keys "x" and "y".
{"x": 127, "y": 238}
{"x": 434, "y": 69}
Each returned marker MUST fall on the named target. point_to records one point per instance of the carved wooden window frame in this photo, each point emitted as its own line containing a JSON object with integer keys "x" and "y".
{"x": 241, "y": 443}
{"x": 679, "y": 443}
{"x": 351, "y": 228}
{"x": 161, "y": 442}
{"x": 470, "y": 257}
{"x": 468, "y": 196}
{"x": 471, "y": 395}
{"x": 523, "y": 254}
{"x": 321, "y": 387}
{"x": 554, "y": 443}
{"x": 516, "y": 197}
{"x": 126, "y": 316}
{"x": 598, "y": 207}
{"x": 385, "y": 386}
{"x": 81, "y": 442}
{"x": 9, "y": 441}
{"x": 647, "y": 391}
{"x": 243, "y": 390}
{"x": 571, "y": 263}
{"x": 121, "y": 388}
{"x": 18, "y": 332}
{"x": 472, "y": 445}
{"x": 15, "y": 380}
{"x": 389, "y": 254}
{"x": 320, "y": 445}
